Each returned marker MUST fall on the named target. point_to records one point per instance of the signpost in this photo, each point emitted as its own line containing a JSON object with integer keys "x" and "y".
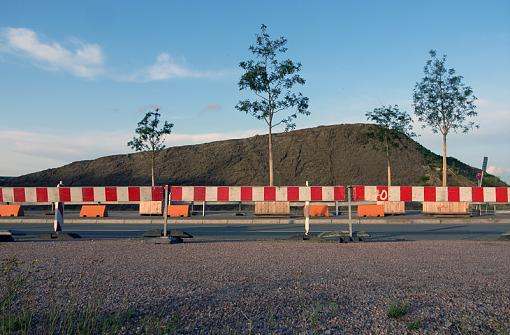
{"x": 479, "y": 176}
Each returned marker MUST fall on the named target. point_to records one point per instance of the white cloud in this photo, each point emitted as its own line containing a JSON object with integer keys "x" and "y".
{"x": 24, "y": 152}
{"x": 85, "y": 61}
{"x": 165, "y": 68}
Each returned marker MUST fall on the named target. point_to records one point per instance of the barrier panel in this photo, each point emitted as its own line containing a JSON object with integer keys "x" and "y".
{"x": 151, "y": 208}
{"x": 251, "y": 194}
{"x": 432, "y": 194}
{"x": 81, "y": 195}
{"x": 257, "y": 193}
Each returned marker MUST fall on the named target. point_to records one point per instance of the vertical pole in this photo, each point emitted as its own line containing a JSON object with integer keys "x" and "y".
{"x": 349, "y": 196}
{"x": 203, "y": 208}
{"x": 58, "y": 222}
{"x": 165, "y": 213}
{"x": 336, "y": 208}
{"x": 307, "y": 217}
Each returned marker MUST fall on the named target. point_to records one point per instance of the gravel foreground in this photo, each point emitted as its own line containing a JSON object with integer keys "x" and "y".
{"x": 283, "y": 287}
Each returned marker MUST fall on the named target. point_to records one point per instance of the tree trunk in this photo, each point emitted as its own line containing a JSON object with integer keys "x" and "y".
{"x": 270, "y": 143}
{"x": 152, "y": 168}
{"x": 444, "y": 161}
{"x": 388, "y": 161}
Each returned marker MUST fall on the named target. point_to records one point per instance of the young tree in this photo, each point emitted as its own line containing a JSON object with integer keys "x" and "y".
{"x": 272, "y": 80}
{"x": 443, "y": 102}
{"x": 392, "y": 124}
{"x": 149, "y": 137}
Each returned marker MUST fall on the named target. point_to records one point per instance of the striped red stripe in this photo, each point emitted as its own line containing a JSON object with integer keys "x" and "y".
{"x": 406, "y": 193}
{"x": 110, "y": 193}
{"x": 41, "y": 194}
{"x": 292, "y": 193}
{"x": 453, "y": 194}
{"x": 502, "y": 194}
{"x": 176, "y": 193}
{"x": 87, "y": 194}
{"x": 157, "y": 193}
{"x": 316, "y": 193}
{"x": 477, "y": 194}
{"x": 134, "y": 193}
{"x": 429, "y": 193}
{"x": 339, "y": 193}
{"x": 64, "y": 194}
{"x": 269, "y": 193}
{"x": 246, "y": 193}
{"x": 223, "y": 193}
{"x": 359, "y": 193}
{"x": 19, "y": 194}
{"x": 199, "y": 193}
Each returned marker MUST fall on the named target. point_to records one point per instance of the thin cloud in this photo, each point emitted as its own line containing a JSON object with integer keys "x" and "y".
{"x": 85, "y": 61}
{"x": 166, "y": 68}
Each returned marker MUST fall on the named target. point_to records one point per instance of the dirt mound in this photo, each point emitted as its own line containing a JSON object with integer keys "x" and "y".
{"x": 325, "y": 155}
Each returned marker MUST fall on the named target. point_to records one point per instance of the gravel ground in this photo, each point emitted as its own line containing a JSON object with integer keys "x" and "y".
{"x": 449, "y": 287}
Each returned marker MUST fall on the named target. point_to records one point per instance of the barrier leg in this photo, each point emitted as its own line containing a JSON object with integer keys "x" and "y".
{"x": 349, "y": 188}
{"x": 165, "y": 211}
{"x": 58, "y": 222}
{"x": 203, "y": 208}
{"x": 336, "y": 208}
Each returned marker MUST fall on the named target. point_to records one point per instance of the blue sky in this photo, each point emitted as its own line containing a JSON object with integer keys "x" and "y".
{"x": 77, "y": 77}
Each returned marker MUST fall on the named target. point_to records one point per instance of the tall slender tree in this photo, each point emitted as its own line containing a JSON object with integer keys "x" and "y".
{"x": 150, "y": 138}
{"x": 393, "y": 123}
{"x": 272, "y": 81}
{"x": 443, "y": 102}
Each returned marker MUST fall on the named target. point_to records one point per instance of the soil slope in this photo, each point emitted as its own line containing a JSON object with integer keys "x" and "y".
{"x": 326, "y": 155}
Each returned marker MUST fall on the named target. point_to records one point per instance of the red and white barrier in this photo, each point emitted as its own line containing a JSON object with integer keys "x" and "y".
{"x": 136, "y": 194}
{"x": 432, "y": 194}
{"x": 80, "y": 195}
{"x": 257, "y": 193}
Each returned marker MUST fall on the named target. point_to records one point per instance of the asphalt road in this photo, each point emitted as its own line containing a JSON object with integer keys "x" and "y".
{"x": 272, "y": 231}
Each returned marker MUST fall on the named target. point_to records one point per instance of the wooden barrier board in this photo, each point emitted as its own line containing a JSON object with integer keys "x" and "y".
{"x": 272, "y": 208}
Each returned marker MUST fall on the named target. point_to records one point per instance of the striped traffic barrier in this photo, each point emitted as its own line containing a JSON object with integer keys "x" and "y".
{"x": 257, "y": 193}
{"x": 81, "y": 195}
{"x": 432, "y": 194}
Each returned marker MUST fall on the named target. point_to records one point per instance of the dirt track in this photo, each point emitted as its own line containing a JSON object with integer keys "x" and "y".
{"x": 281, "y": 287}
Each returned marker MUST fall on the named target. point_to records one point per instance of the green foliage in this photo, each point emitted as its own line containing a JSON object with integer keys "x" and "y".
{"x": 442, "y": 101}
{"x": 414, "y": 325}
{"x": 149, "y": 136}
{"x": 272, "y": 80}
{"x": 14, "y": 318}
{"x": 392, "y": 121}
{"x": 398, "y": 310}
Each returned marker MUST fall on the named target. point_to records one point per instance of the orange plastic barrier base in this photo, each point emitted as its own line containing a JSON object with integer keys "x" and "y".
{"x": 317, "y": 210}
{"x": 93, "y": 211}
{"x": 370, "y": 210}
{"x": 178, "y": 211}
{"x": 11, "y": 210}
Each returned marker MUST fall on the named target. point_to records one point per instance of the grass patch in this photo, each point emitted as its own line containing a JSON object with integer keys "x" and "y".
{"x": 398, "y": 310}
{"x": 414, "y": 325}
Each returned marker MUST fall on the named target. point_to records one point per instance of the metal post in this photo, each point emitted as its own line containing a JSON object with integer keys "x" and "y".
{"x": 165, "y": 213}
{"x": 203, "y": 208}
{"x": 58, "y": 222}
{"x": 307, "y": 217}
{"x": 336, "y": 208}
{"x": 349, "y": 196}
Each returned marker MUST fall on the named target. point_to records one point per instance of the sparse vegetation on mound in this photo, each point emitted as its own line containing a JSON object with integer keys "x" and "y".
{"x": 326, "y": 155}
